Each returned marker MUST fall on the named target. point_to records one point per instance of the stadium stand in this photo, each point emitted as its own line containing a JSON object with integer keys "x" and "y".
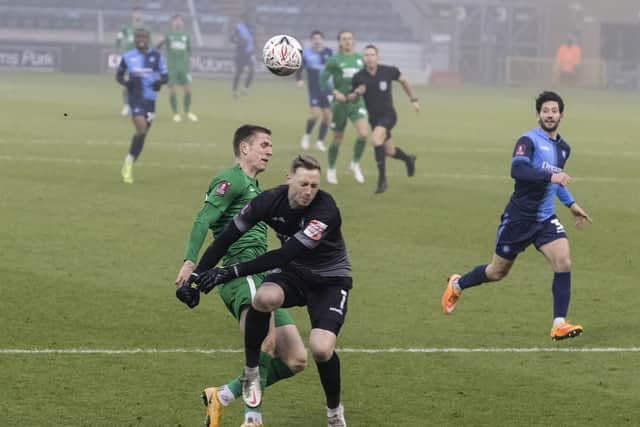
{"x": 376, "y": 19}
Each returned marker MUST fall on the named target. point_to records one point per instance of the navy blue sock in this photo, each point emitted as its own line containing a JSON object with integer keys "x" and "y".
{"x": 137, "y": 142}
{"x": 322, "y": 132}
{"x": 475, "y": 277}
{"x": 561, "y": 289}
{"x": 309, "y": 127}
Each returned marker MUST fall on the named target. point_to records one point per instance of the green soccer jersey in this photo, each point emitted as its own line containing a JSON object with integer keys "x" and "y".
{"x": 341, "y": 68}
{"x": 228, "y": 193}
{"x": 125, "y": 39}
{"x": 178, "y": 46}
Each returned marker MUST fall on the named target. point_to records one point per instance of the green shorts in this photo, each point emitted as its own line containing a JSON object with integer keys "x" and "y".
{"x": 341, "y": 111}
{"x": 179, "y": 77}
{"x": 239, "y": 292}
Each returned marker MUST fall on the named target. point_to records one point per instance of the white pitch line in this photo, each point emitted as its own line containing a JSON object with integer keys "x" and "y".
{"x": 341, "y": 350}
{"x": 145, "y": 164}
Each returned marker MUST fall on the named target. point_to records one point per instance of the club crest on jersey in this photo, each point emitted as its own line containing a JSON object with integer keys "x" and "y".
{"x": 383, "y": 85}
{"x": 315, "y": 229}
{"x": 520, "y": 150}
{"x": 222, "y": 188}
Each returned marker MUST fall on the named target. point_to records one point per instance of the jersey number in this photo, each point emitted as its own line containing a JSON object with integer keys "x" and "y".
{"x": 559, "y": 226}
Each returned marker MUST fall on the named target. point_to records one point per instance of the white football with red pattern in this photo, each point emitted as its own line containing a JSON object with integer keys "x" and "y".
{"x": 282, "y": 55}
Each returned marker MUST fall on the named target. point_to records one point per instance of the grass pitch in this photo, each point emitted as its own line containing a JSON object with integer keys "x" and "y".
{"x": 88, "y": 263}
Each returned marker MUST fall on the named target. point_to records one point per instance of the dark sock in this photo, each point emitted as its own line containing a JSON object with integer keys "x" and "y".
{"x": 330, "y": 378}
{"x": 380, "y": 161}
{"x": 256, "y": 330}
{"x": 247, "y": 82}
{"x": 322, "y": 132}
{"x": 309, "y": 126}
{"x": 473, "y": 278}
{"x": 137, "y": 142}
{"x": 187, "y": 102}
{"x": 333, "y": 154}
{"x": 173, "y": 100}
{"x": 561, "y": 289}
{"x": 401, "y": 155}
{"x": 236, "y": 77}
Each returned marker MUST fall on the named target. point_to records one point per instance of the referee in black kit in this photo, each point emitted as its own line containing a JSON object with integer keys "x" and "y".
{"x": 374, "y": 82}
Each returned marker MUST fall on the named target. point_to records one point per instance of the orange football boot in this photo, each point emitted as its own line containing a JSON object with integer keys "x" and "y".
{"x": 450, "y": 296}
{"x": 213, "y": 406}
{"x": 565, "y": 330}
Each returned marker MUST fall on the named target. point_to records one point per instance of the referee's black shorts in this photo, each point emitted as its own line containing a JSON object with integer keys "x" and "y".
{"x": 387, "y": 119}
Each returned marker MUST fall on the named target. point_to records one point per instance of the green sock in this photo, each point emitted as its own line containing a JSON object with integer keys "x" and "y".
{"x": 358, "y": 149}
{"x": 236, "y": 387}
{"x": 278, "y": 370}
{"x": 333, "y": 154}
{"x": 174, "y": 103}
{"x": 187, "y": 102}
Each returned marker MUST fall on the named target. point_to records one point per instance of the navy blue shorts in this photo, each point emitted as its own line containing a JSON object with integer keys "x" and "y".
{"x": 514, "y": 237}
{"x": 320, "y": 100}
{"x": 142, "y": 107}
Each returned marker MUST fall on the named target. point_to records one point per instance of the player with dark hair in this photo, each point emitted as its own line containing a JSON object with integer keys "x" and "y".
{"x": 243, "y": 39}
{"x": 374, "y": 83}
{"x": 283, "y": 353}
{"x": 313, "y": 60}
{"x": 539, "y": 157}
{"x": 178, "y": 48}
{"x": 336, "y": 77}
{"x": 313, "y": 271}
{"x": 142, "y": 72}
{"x": 124, "y": 43}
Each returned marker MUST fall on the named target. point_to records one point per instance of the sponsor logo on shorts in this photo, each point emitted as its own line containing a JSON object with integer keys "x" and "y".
{"x": 315, "y": 229}
{"x": 383, "y": 85}
{"x": 222, "y": 188}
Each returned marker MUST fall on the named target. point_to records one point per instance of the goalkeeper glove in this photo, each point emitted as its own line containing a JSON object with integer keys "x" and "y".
{"x": 215, "y": 276}
{"x": 188, "y": 293}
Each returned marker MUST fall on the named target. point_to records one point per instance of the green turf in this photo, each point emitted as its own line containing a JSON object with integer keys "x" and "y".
{"x": 88, "y": 262}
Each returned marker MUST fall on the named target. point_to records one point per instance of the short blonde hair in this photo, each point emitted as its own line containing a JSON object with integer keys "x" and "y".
{"x": 305, "y": 161}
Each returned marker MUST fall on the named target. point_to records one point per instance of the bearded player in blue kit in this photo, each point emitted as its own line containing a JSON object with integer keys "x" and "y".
{"x": 537, "y": 166}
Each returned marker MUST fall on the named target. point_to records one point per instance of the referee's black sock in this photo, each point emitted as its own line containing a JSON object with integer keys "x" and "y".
{"x": 256, "y": 330}
{"x": 401, "y": 155}
{"x": 380, "y": 161}
{"x": 137, "y": 142}
{"x": 330, "y": 378}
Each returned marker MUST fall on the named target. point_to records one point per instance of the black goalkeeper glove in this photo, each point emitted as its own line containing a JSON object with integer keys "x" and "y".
{"x": 188, "y": 293}
{"x": 156, "y": 85}
{"x": 211, "y": 278}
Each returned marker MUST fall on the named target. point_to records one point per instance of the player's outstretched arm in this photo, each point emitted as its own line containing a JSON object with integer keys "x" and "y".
{"x": 406, "y": 86}
{"x": 219, "y": 247}
{"x": 291, "y": 250}
{"x": 580, "y": 215}
{"x": 207, "y": 216}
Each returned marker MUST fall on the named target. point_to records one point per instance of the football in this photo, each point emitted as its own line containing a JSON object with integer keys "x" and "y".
{"x": 282, "y": 55}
